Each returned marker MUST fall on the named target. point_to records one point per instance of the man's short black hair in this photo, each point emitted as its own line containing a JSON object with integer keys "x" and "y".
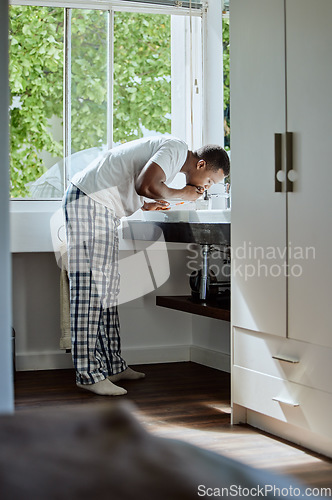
{"x": 215, "y": 157}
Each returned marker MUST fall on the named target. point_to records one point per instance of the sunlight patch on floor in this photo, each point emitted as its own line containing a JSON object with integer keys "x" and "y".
{"x": 242, "y": 443}
{"x": 220, "y": 407}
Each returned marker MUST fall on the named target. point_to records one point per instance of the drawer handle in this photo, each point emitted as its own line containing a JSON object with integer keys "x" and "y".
{"x": 284, "y": 402}
{"x": 286, "y": 359}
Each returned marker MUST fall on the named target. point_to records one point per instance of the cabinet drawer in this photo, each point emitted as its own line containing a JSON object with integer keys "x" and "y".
{"x": 288, "y": 359}
{"x": 292, "y": 403}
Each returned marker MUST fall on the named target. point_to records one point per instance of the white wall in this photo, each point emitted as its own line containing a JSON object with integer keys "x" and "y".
{"x": 6, "y": 378}
{"x": 36, "y": 311}
{"x": 150, "y": 334}
{"x": 211, "y": 343}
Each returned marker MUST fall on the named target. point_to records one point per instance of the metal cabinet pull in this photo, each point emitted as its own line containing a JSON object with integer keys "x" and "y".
{"x": 289, "y": 161}
{"x": 287, "y": 359}
{"x": 277, "y": 163}
{"x": 284, "y": 402}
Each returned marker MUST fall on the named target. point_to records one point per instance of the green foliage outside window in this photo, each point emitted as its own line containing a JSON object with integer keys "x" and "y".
{"x": 89, "y": 55}
{"x": 142, "y": 87}
{"x": 142, "y": 75}
{"x": 225, "y": 32}
{"x": 142, "y": 83}
{"x": 35, "y": 79}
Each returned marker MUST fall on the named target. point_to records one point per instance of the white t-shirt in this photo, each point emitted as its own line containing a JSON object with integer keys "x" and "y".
{"x": 110, "y": 179}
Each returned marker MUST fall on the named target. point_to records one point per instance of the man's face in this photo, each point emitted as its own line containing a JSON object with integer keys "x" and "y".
{"x": 204, "y": 176}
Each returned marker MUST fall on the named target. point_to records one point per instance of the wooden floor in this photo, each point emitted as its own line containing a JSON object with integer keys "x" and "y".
{"x": 184, "y": 401}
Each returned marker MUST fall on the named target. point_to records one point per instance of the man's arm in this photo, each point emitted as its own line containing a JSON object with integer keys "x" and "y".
{"x": 151, "y": 184}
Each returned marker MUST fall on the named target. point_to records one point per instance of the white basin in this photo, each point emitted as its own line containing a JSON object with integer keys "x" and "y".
{"x": 221, "y": 216}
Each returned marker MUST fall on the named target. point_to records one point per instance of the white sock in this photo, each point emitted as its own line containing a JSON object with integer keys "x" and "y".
{"x": 104, "y": 388}
{"x": 127, "y": 374}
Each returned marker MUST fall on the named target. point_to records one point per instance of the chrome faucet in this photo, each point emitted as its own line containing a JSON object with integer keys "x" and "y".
{"x": 226, "y": 196}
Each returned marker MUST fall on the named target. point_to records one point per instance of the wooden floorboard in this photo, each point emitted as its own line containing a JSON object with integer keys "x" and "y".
{"x": 183, "y": 401}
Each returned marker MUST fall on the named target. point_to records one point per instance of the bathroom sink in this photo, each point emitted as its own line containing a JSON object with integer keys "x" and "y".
{"x": 219, "y": 216}
{"x": 182, "y": 226}
{"x": 210, "y": 216}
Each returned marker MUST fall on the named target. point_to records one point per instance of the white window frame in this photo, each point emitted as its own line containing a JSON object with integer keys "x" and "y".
{"x": 186, "y": 26}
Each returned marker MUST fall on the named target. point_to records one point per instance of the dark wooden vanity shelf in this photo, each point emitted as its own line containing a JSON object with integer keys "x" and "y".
{"x": 210, "y": 309}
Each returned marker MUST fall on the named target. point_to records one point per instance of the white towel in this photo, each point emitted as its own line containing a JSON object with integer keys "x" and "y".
{"x": 65, "y": 339}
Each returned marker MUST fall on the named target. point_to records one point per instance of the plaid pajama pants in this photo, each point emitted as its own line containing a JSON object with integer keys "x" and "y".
{"x": 92, "y": 241}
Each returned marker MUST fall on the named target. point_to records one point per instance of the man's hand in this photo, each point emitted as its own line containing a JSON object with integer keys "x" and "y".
{"x": 191, "y": 193}
{"x": 156, "y": 205}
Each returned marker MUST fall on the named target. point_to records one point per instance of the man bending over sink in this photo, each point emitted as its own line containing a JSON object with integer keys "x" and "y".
{"x": 110, "y": 187}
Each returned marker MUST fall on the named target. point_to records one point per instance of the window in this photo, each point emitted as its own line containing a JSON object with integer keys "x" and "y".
{"x": 226, "y": 47}
{"x": 83, "y": 79}
{"x": 142, "y": 75}
{"x": 36, "y": 85}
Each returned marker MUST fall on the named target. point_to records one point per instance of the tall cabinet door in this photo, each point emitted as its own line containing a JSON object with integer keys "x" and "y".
{"x": 258, "y": 212}
{"x": 309, "y": 117}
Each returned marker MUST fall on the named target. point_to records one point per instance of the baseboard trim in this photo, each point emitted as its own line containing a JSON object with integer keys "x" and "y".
{"x": 51, "y": 360}
{"x": 213, "y": 359}
{"x": 160, "y": 354}
{"x": 297, "y": 435}
{"x": 56, "y": 360}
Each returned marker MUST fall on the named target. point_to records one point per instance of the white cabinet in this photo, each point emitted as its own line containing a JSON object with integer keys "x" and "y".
{"x": 281, "y": 119}
{"x": 286, "y": 359}
{"x": 309, "y": 117}
{"x": 283, "y": 400}
{"x": 281, "y": 74}
{"x": 284, "y": 387}
{"x": 258, "y": 213}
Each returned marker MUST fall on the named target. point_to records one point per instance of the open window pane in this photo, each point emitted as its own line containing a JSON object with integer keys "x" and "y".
{"x": 48, "y": 43}
{"x": 89, "y": 57}
{"x": 142, "y": 75}
{"x": 226, "y": 51}
{"x": 88, "y": 68}
{"x": 36, "y": 101}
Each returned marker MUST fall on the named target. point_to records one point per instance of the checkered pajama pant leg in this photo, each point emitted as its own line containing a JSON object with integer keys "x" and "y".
{"x": 93, "y": 244}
